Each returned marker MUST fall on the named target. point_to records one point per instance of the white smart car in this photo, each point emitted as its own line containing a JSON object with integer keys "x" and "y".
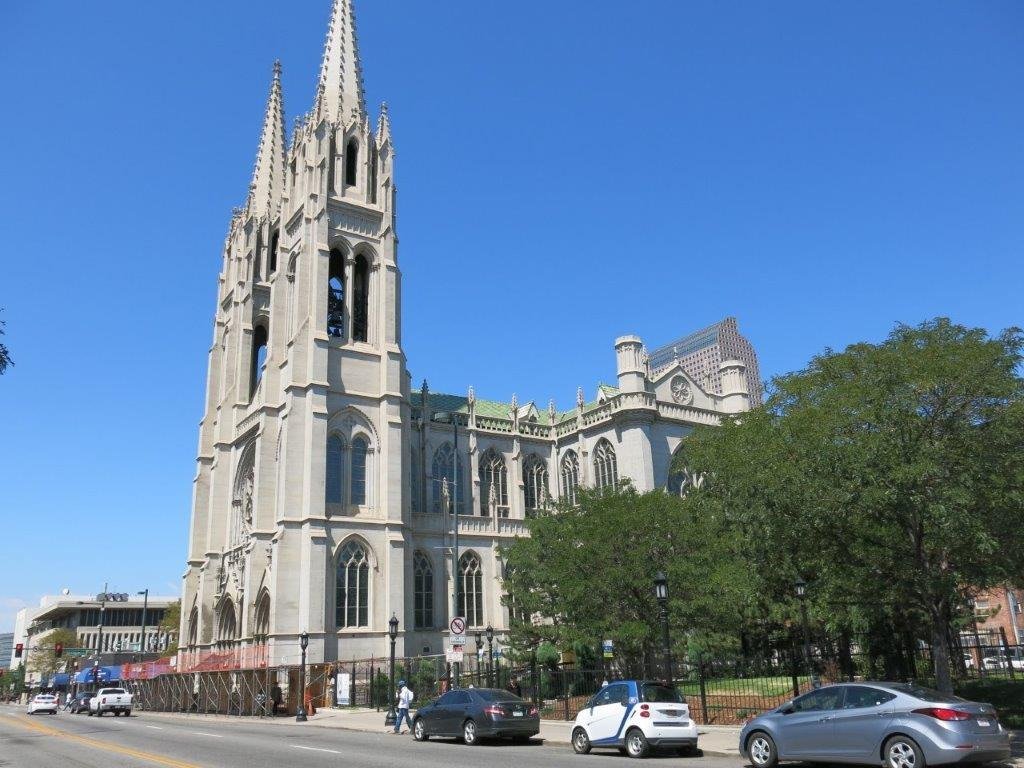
{"x": 635, "y": 716}
{"x": 43, "y": 702}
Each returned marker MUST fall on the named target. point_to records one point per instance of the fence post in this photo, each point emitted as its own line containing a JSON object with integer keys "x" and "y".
{"x": 565, "y": 694}
{"x": 793, "y": 671}
{"x": 703, "y": 689}
{"x": 1006, "y": 650}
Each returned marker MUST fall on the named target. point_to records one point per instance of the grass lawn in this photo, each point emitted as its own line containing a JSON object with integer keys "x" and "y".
{"x": 748, "y": 686}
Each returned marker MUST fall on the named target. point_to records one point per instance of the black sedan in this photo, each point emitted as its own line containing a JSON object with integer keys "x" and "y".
{"x": 475, "y": 713}
{"x": 80, "y": 703}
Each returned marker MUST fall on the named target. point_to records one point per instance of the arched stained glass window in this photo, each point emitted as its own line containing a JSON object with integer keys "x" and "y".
{"x": 351, "y": 162}
{"x": 444, "y": 466}
{"x": 493, "y": 483}
{"x": 361, "y": 299}
{"x": 423, "y": 591}
{"x": 570, "y": 472}
{"x": 359, "y": 450}
{"x": 535, "y": 483}
{"x": 335, "y": 468}
{"x": 336, "y": 295}
{"x": 352, "y": 591}
{"x": 471, "y": 594}
{"x": 606, "y": 473}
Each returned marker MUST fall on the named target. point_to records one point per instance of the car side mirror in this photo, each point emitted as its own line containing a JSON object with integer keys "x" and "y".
{"x": 787, "y": 709}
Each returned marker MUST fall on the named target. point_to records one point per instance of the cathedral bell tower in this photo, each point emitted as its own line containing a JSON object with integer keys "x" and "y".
{"x": 303, "y": 442}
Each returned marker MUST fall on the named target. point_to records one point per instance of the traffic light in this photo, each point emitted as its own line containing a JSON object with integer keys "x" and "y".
{"x": 58, "y": 650}
{"x": 18, "y": 649}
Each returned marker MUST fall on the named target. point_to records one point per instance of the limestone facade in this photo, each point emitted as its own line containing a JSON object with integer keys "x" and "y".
{"x": 324, "y": 477}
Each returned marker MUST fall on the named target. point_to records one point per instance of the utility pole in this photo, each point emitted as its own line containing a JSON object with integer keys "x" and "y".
{"x": 145, "y": 604}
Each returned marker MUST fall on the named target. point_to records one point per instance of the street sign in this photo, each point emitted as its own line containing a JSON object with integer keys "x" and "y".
{"x": 457, "y": 630}
{"x": 608, "y": 649}
{"x": 82, "y": 652}
{"x": 454, "y": 655}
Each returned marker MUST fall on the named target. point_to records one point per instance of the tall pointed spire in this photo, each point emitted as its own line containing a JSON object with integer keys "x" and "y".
{"x": 339, "y": 93}
{"x": 268, "y": 176}
{"x": 383, "y": 125}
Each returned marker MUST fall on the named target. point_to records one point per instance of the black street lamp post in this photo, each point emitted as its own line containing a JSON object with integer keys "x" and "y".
{"x": 300, "y": 715}
{"x": 145, "y": 605}
{"x": 392, "y": 716}
{"x": 977, "y": 639}
{"x": 800, "y": 586}
{"x": 490, "y": 656}
{"x": 661, "y": 593}
{"x": 479, "y": 645}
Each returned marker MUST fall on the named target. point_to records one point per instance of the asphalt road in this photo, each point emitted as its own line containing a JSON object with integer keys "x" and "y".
{"x": 145, "y": 740}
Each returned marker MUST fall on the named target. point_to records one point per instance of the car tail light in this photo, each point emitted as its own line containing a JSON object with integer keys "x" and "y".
{"x": 943, "y": 713}
{"x": 494, "y": 711}
{"x": 645, "y": 706}
{"x": 645, "y": 713}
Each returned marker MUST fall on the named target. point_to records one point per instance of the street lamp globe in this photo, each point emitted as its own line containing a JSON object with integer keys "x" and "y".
{"x": 393, "y": 627}
{"x": 304, "y": 640}
{"x": 661, "y": 586}
{"x": 800, "y": 586}
{"x": 490, "y": 633}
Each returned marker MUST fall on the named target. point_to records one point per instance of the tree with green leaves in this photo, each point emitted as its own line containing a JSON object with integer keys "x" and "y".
{"x": 5, "y": 355}
{"x": 170, "y": 624}
{"x": 887, "y": 475}
{"x": 587, "y": 572}
{"x": 43, "y": 659}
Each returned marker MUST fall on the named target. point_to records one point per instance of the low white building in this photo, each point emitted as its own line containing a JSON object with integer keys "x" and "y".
{"x": 318, "y": 500}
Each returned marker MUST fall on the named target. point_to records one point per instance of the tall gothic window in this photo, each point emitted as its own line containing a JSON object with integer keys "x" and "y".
{"x": 275, "y": 240}
{"x": 261, "y": 626}
{"x": 423, "y": 592}
{"x": 352, "y": 591}
{"x": 351, "y": 162}
{"x": 606, "y": 473}
{"x": 535, "y": 483}
{"x": 336, "y": 295}
{"x": 259, "y": 357}
{"x": 359, "y": 449}
{"x": 226, "y": 624}
{"x": 471, "y": 594}
{"x": 335, "y": 468}
{"x": 570, "y": 472}
{"x": 414, "y": 480}
{"x": 493, "y": 483}
{"x": 445, "y": 464}
{"x": 193, "y": 627}
{"x": 361, "y": 300}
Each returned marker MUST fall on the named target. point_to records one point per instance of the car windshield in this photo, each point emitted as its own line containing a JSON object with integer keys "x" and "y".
{"x": 660, "y": 694}
{"x": 924, "y": 694}
{"x": 489, "y": 695}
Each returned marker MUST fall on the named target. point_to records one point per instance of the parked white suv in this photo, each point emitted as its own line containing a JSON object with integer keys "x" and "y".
{"x": 635, "y": 716}
{"x": 116, "y": 700}
{"x": 43, "y": 702}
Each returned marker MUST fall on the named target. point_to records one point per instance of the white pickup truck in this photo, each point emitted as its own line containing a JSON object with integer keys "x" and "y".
{"x": 116, "y": 700}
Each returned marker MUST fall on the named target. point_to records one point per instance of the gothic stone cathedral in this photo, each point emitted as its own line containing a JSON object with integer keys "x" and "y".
{"x": 324, "y": 481}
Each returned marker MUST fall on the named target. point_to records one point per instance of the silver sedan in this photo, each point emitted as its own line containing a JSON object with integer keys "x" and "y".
{"x": 901, "y": 725}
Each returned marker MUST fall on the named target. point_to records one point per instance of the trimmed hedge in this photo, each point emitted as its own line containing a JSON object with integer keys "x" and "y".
{"x": 1007, "y": 696}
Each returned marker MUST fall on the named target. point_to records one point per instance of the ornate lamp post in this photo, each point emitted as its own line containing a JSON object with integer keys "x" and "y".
{"x": 490, "y": 656}
{"x": 800, "y": 587}
{"x": 661, "y": 594}
{"x": 479, "y": 645}
{"x": 300, "y": 715}
{"x": 391, "y": 716}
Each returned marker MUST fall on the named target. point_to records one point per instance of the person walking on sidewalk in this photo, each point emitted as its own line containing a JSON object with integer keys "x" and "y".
{"x": 405, "y": 697}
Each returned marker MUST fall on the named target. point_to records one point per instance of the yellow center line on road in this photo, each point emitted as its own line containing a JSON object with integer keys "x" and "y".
{"x": 103, "y": 745}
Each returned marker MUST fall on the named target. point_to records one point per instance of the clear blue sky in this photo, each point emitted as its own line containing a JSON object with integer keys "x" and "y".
{"x": 568, "y": 172}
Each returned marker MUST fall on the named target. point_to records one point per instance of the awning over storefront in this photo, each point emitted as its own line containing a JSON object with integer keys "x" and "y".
{"x": 59, "y": 680}
{"x": 106, "y": 675}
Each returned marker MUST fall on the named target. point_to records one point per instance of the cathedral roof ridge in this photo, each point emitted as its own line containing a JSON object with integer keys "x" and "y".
{"x": 340, "y": 86}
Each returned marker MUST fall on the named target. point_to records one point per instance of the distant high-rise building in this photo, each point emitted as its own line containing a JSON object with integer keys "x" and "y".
{"x": 6, "y": 649}
{"x": 703, "y": 352}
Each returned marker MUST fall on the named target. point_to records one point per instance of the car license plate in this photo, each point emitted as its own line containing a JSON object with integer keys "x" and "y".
{"x": 984, "y": 722}
{"x": 672, "y": 712}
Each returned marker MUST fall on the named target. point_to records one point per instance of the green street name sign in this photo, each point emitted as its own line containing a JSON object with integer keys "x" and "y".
{"x": 76, "y": 651}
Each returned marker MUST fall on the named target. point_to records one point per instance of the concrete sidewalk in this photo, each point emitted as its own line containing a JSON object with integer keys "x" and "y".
{"x": 713, "y": 739}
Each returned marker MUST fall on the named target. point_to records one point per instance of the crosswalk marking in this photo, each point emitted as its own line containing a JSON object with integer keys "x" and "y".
{"x": 317, "y": 749}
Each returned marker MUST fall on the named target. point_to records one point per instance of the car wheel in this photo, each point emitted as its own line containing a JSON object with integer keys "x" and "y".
{"x": 636, "y": 743}
{"x": 419, "y": 730}
{"x": 580, "y": 742}
{"x": 469, "y": 733}
{"x": 762, "y": 751}
{"x": 903, "y": 752}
